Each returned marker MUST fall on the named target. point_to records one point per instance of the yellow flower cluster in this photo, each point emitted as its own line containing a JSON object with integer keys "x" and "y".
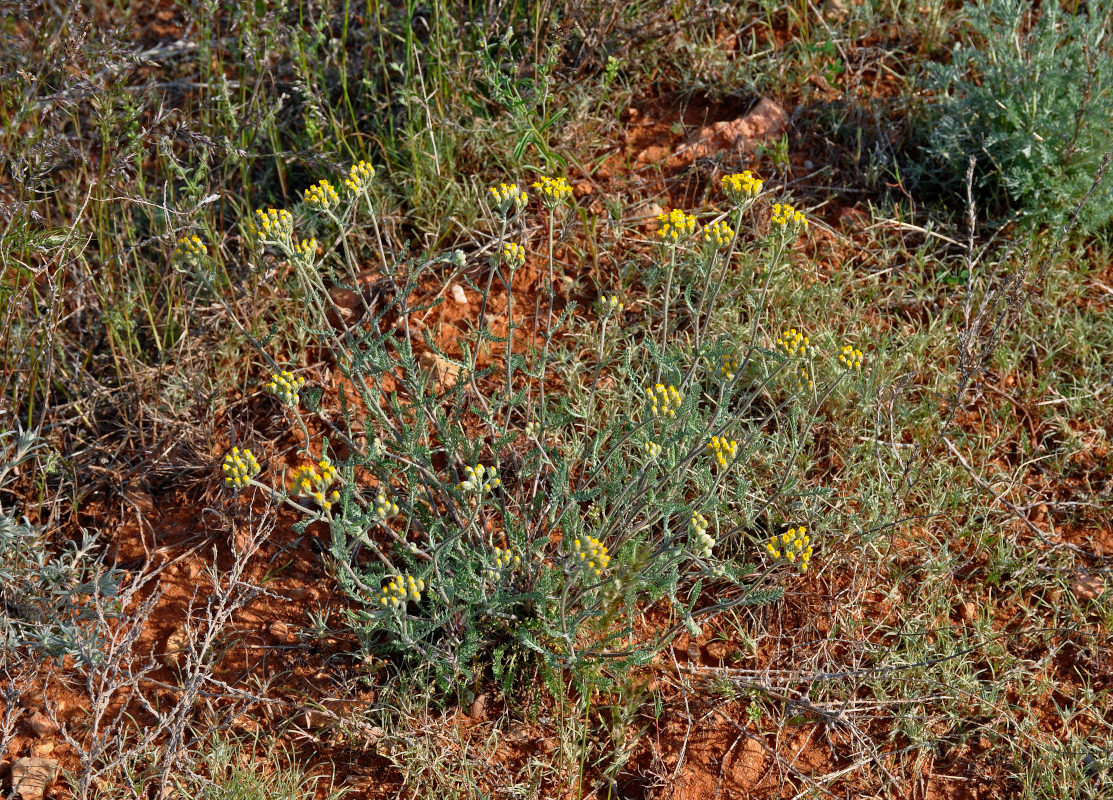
{"x": 851, "y": 358}
{"x": 239, "y": 467}
{"x": 785, "y": 215}
{"x": 592, "y": 553}
{"x": 793, "y": 342}
{"x": 321, "y": 195}
{"x": 792, "y": 545}
{"x": 306, "y": 248}
{"x": 272, "y": 225}
{"x": 652, "y": 450}
{"x": 610, "y": 304}
{"x": 664, "y": 400}
{"x": 702, "y": 541}
{"x": 513, "y": 254}
{"x": 553, "y": 190}
{"x": 718, "y": 233}
{"x": 359, "y": 177}
{"x": 285, "y": 387}
{"x": 532, "y": 428}
{"x": 307, "y": 480}
{"x": 508, "y": 198}
{"x": 804, "y": 377}
{"x": 479, "y": 479}
{"x": 398, "y": 590}
{"x": 505, "y": 558}
{"x": 190, "y": 249}
{"x": 728, "y": 367}
{"x": 724, "y": 449}
{"x": 674, "y": 225}
{"x": 742, "y": 187}
{"x": 384, "y": 507}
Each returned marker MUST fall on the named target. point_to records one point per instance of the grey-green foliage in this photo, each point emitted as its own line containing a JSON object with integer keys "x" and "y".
{"x": 52, "y": 599}
{"x": 1030, "y": 96}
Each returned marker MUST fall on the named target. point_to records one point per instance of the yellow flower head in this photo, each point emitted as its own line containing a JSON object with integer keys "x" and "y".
{"x": 652, "y": 450}
{"x": 239, "y": 467}
{"x": 285, "y": 387}
{"x": 399, "y": 589}
{"x": 384, "y": 507}
{"x": 359, "y": 177}
{"x": 718, "y": 234}
{"x": 305, "y": 249}
{"x": 272, "y": 225}
{"x": 787, "y": 217}
{"x": 794, "y": 546}
{"x": 664, "y": 400}
{"x": 701, "y": 541}
{"x": 793, "y": 343}
{"x": 851, "y": 358}
{"x": 507, "y": 198}
{"x": 479, "y": 479}
{"x": 675, "y": 225}
{"x": 553, "y": 190}
{"x": 314, "y": 481}
{"x": 591, "y": 553}
{"x": 729, "y": 366}
{"x": 610, "y": 304}
{"x": 190, "y": 250}
{"x": 741, "y": 188}
{"x": 505, "y": 558}
{"x": 724, "y": 450}
{"x": 321, "y": 196}
{"x": 513, "y": 254}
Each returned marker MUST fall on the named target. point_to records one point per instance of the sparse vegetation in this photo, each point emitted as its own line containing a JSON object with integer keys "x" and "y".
{"x": 474, "y": 400}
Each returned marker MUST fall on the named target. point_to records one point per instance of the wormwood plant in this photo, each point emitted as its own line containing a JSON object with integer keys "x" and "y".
{"x": 486, "y": 509}
{"x": 1030, "y": 99}
{"x": 54, "y": 600}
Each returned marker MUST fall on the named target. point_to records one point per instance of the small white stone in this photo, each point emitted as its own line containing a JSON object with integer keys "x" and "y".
{"x": 458, "y": 294}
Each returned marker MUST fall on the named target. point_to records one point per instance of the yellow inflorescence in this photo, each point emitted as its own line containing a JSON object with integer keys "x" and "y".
{"x": 321, "y": 195}
{"x": 592, "y": 553}
{"x": 239, "y": 468}
{"x": 793, "y": 343}
{"x": 674, "y": 225}
{"x": 610, "y": 304}
{"x": 851, "y": 358}
{"x": 306, "y": 248}
{"x": 399, "y": 589}
{"x": 190, "y": 249}
{"x": 741, "y": 187}
{"x": 785, "y": 215}
{"x": 359, "y": 177}
{"x": 479, "y": 479}
{"x": 285, "y": 387}
{"x": 314, "y": 481}
{"x": 532, "y": 428}
{"x": 794, "y": 545}
{"x": 553, "y": 190}
{"x": 384, "y": 507}
{"x": 652, "y": 450}
{"x": 513, "y": 254}
{"x": 728, "y": 366}
{"x": 272, "y": 225}
{"x": 724, "y": 450}
{"x": 505, "y": 558}
{"x": 664, "y": 400}
{"x": 718, "y": 234}
{"x": 702, "y": 541}
{"x": 508, "y": 198}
